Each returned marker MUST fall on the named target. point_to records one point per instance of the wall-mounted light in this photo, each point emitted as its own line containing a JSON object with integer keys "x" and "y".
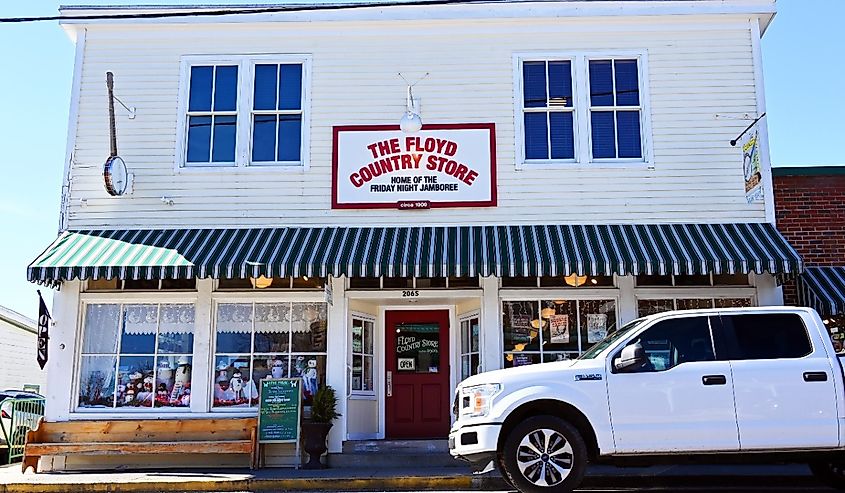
{"x": 411, "y": 122}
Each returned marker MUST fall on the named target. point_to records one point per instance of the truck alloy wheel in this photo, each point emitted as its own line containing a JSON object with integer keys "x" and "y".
{"x": 545, "y": 454}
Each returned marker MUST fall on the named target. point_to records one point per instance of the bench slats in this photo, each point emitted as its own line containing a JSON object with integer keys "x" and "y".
{"x": 125, "y": 448}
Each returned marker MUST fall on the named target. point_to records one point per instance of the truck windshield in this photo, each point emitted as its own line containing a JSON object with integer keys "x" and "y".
{"x": 610, "y": 339}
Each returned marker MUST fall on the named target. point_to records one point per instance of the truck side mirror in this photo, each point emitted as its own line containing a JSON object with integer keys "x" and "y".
{"x": 632, "y": 357}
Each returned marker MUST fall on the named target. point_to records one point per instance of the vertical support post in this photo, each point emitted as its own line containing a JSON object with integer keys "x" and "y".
{"x": 336, "y": 359}
{"x": 491, "y": 326}
{"x": 627, "y": 309}
{"x": 201, "y": 370}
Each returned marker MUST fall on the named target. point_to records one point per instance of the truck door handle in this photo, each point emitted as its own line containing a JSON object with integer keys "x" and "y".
{"x": 714, "y": 380}
{"x": 815, "y": 376}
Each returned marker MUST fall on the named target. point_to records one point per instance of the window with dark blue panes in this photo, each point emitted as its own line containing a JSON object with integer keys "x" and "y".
{"x": 277, "y": 113}
{"x": 212, "y": 115}
{"x": 548, "y": 110}
{"x": 615, "y": 109}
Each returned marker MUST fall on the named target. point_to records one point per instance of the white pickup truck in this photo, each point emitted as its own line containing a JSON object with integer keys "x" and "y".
{"x": 748, "y": 385}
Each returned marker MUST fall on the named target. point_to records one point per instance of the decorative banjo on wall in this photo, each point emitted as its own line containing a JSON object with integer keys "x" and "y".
{"x": 116, "y": 177}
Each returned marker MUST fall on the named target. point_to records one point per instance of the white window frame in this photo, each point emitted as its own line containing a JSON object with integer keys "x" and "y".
{"x": 251, "y": 297}
{"x": 370, "y": 394}
{"x": 243, "y": 134}
{"x": 125, "y": 298}
{"x": 467, "y": 351}
{"x": 582, "y": 110}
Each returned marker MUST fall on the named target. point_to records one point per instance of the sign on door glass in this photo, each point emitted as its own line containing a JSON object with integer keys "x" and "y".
{"x": 418, "y": 348}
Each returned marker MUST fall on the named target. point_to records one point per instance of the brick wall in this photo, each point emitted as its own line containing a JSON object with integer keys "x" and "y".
{"x": 810, "y": 212}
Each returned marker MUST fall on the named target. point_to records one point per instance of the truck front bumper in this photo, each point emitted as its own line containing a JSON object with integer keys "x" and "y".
{"x": 475, "y": 444}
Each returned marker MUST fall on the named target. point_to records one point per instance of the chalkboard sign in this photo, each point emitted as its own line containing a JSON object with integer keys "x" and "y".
{"x": 279, "y": 410}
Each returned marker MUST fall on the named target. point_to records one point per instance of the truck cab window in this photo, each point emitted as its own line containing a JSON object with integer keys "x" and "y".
{"x": 672, "y": 342}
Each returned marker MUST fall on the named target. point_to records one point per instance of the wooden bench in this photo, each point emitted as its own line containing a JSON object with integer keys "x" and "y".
{"x": 147, "y": 436}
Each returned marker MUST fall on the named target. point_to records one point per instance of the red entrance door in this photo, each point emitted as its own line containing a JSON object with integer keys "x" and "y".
{"x": 417, "y": 344}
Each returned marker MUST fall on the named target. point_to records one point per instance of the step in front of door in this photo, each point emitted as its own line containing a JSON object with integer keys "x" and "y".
{"x": 396, "y": 454}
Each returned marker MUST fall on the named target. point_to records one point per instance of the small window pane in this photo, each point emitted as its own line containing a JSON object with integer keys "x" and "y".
{"x": 694, "y": 304}
{"x": 534, "y": 84}
{"x": 200, "y": 96}
{"x": 601, "y": 83}
{"x": 368, "y": 373}
{"x": 473, "y": 328}
{"x": 602, "y": 126}
{"x": 364, "y": 283}
{"x": 176, "y": 330}
{"x": 135, "y": 377}
{"x": 173, "y": 381}
{"x": 732, "y": 302}
{"x": 290, "y": 86}
{"x": 290, "y": 133}
{"x": 598, "y": 318}
{"x": 224, "y": 139}
{"x": 730, "y": 279}
{"x": 226, "y": 88}
{"x": 139, "y": 329}
{"x": 563, "y": 135}
{"x": 199, "y": 139}
{"x": 234, "y": 328}
{"x": 264, "y": 95}
{"x": 697, "y": 280}
{"x": 264, "y": 138}
{"x": 628, "y": 134}
{"x": 141, "y": 284}
{"x": 312, "y": 370}
{"x": 357, "y": 372}
{"x": 272, "y": 327}
{"x": 309, "y": 322}
{"x": 654, "y": 280}
{"x": 520, "y": 323}
{"x": 627, "y": 83}
{"x": 650, "y": 307}
{"x": 768, "y": 336}
{"x": 560, "y": 83}
{"x": 536, "y": 136}
{"x": 368, "y": 337}
{"x": 559, "y": 319}
{"x": 229, "y": 368}
{"x": 97, "y": 380}
{"x": 521, "y": 359}
{"x": 101, "y": 325}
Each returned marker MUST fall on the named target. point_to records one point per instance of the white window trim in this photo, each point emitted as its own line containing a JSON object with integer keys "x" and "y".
{"x": 243, "y": 134}
{"x": 363, "y": 394}
{"x": 124, "y": 298}
{"x": 581, "y": 96}
{"x": 462, "y": 351}
{"x": 218, "y": 298}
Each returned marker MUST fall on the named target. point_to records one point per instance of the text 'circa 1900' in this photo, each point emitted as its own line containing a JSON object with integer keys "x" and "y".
{"x": 453, "y": 166}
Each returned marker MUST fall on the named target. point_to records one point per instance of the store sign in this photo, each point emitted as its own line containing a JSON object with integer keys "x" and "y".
{"x": 279, "y": 407}
{"x": 749, "y": 143}
{"x": 439, "y": 166}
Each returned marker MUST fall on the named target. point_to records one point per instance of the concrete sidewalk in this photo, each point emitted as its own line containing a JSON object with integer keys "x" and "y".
{"x": 13, "y": 481}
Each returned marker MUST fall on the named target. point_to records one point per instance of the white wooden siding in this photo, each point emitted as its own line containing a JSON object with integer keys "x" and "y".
{"x": 698, "y": 67}
{"x": 18, "y": 365}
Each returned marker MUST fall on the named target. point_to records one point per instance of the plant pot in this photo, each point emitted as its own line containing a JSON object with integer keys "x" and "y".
{"x": 314, "y": 437}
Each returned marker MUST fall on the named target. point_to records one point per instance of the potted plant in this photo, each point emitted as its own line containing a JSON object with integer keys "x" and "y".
{"x": 315, "y": 431}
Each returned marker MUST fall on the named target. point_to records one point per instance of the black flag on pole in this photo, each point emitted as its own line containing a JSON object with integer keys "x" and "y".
{"x": 43, "y": 335}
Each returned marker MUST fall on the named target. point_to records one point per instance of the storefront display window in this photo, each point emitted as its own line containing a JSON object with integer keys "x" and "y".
{"x": 553, "y": 330}
{"x": 836, "y": 328}
{"x": 652, "y": 306}
{"x": 362, "y": 355}
{"x": 470, "y": 347}
{"x": 136, "y": 356}
{"x": 267, "y": 340}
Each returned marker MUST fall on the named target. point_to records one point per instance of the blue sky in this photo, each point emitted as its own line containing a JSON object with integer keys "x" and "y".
{"x": 802, "y": 76}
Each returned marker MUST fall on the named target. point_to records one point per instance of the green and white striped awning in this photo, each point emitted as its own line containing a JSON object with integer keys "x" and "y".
{"x": 504, "y": 251}
{"x": 823, "y": 288}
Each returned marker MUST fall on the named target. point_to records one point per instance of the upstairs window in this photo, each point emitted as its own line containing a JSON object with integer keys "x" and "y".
{"x": 581, "y": 109}
{"x": 615, "y": 129}
{"x": 244, "y": 111}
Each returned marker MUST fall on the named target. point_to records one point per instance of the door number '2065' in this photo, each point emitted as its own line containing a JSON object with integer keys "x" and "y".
{"x": 410, "y": 293}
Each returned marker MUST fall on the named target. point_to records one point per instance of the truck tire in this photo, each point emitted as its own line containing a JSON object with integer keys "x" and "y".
{"x": 544, "y": 454}
{"x": 830, "y": 472}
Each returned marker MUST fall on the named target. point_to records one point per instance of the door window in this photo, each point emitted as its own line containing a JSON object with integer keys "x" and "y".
{"x": 470, "y": 350}
{"x": 672, "y": 342}
{"x": 766, "y": 336}
{"x": 418, "y": 348}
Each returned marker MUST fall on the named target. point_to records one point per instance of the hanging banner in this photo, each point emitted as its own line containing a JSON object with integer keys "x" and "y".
{"x": 749, "y": 144}
{"x": 379, "y": 166}
{"x": 43, "y": 331}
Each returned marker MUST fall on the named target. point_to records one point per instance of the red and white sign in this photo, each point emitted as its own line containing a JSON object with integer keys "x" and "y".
{"x": 379, "y": 166}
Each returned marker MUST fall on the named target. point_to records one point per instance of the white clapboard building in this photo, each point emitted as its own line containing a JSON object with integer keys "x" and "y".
{"x": 387, "y": 199}
{"x": 19, "y": 369}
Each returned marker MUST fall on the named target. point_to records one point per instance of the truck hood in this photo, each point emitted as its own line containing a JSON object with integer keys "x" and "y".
{"x": 533, "y": 374}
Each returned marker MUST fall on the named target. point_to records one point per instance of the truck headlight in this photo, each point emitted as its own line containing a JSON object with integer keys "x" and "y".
{"x": 477, "y": 399}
